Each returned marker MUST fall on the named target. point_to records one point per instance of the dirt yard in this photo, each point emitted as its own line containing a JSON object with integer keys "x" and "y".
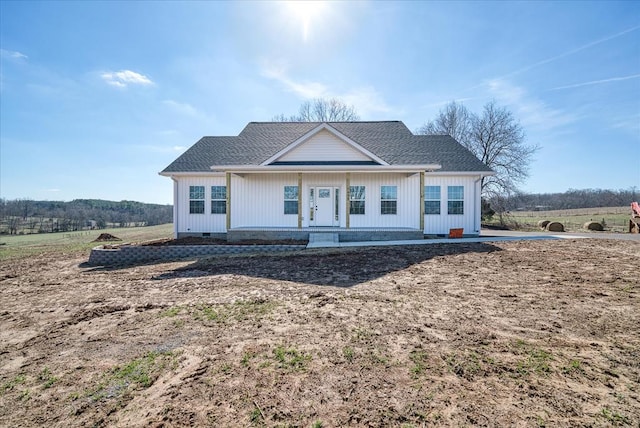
{"x": 530, "y": 333}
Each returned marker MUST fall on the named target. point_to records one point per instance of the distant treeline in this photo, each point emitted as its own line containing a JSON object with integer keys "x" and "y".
{"x": 29, "y": 216}
{"x": 586, "y": 198}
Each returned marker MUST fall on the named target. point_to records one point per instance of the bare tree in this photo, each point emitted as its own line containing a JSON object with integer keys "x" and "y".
{"x": 25, "y": 207}
{"x": 495, "y": 137}
{"x": 322, "y": 110}
{"x": 3, "y": 208}
{"x": 454, "y": 120}
{"x": 13, "y": 224}
{"x": 32, "y": 222}
{"x": 499, "y": 141}
{"x": 282, "y": 118}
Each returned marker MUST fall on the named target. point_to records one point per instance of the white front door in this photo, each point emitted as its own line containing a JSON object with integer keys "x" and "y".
{"x": 324, "y": 206}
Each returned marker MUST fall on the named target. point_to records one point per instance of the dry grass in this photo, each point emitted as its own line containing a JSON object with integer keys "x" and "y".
{"x": 20, "y": 246}
{"x": 616, "y": 219}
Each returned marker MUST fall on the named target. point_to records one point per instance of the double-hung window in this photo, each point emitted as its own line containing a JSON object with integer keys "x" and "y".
{"x": 196, "y": 199}
{"x": 356, "y": 200}
{"x": 291, "y": 199}
{"x": 455, "y": 199}
{"x": 388, "y": 199}
{"x": 218, "y": 199}
{"x": 432, "y": 200}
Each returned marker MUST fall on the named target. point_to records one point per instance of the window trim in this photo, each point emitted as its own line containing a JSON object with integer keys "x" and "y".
{"x": 459, "y": 201}
{"x": 432, "y": 199}
{"x": 218, "y": 199}
{"x": 361, "y": 201}
{"x": 194, "y": 192}
{"x": 389, "y": 200}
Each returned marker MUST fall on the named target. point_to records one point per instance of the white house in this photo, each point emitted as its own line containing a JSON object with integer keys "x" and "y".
{"x": 361, "y": 180}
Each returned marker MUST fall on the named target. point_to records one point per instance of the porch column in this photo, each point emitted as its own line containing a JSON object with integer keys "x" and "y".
{"x": 422, "y": 201}
{"x": 348, "y": 199}
{"x": 299, "y": 200}
{"x": 228, "y": 201}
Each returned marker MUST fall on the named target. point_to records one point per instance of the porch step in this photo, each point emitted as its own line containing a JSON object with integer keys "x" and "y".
{"x": 315, "y": 238}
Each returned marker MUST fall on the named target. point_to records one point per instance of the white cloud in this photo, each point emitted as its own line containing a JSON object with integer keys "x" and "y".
{"x": 365, "y": 99}
{"x": 597, "y": 82}
{"x": 629, "y": 123}
{"x": 530, "y": 110}
{"x": 304, "y": 90}
{"x": 168, "y": 133}
{"x": 573, "y": 51}
{"x": 12, "y": 54}
{"x": 443, "y": 103}
{"x": 157, "y": 148}
{"x": 123, "y": 78}
{"x": 184, "y": 108}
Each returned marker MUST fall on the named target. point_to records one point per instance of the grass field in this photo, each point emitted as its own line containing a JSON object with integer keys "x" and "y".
{"x": 615, "y": 218}
{"x": 17, "y": 246}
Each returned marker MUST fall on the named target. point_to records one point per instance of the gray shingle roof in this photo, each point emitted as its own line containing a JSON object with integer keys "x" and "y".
{"x": 392, "y": 141}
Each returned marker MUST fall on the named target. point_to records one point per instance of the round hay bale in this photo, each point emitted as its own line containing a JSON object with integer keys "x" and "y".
{"x": 593, "y": 225}
{"x": 555, "y": 226}
{"x": 542, "y": 224}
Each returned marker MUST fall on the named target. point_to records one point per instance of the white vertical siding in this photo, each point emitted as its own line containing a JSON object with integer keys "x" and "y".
{"x": 176, "y": 219}
{"x": 324, "y": 146}
{"x": 469, "y": 221}
{"x": 198, "y": 223}
{"x": 408, "y": 205}
{"x": 257, "y": 200}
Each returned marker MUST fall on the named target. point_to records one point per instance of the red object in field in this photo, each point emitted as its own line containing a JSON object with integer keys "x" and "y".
{"x": 634, "y": 222}
{"x": 456, "y": 233}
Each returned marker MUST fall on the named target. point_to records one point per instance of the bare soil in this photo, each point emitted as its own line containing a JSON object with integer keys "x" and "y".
{"x": 528, "y": 333}
{"x": 106, "y": 237}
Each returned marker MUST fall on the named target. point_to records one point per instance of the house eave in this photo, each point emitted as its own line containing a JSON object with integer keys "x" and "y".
{"x": 431, "y": 169}
{"x": 187, "y": 173}
{"x": 269, "y": 169}
{"x": 459, "y": 173}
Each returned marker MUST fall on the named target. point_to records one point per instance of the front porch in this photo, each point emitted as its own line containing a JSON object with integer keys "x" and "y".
{"x": 344, "y": 234}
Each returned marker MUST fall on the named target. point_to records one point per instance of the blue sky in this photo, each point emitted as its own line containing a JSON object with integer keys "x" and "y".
{"x": 97, "y": 97}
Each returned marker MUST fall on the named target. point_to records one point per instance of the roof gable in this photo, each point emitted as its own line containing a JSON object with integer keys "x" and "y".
{"x": 324, "y": 144}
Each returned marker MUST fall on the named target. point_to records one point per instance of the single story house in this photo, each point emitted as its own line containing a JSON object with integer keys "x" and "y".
{"x": 360, "y": 180}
